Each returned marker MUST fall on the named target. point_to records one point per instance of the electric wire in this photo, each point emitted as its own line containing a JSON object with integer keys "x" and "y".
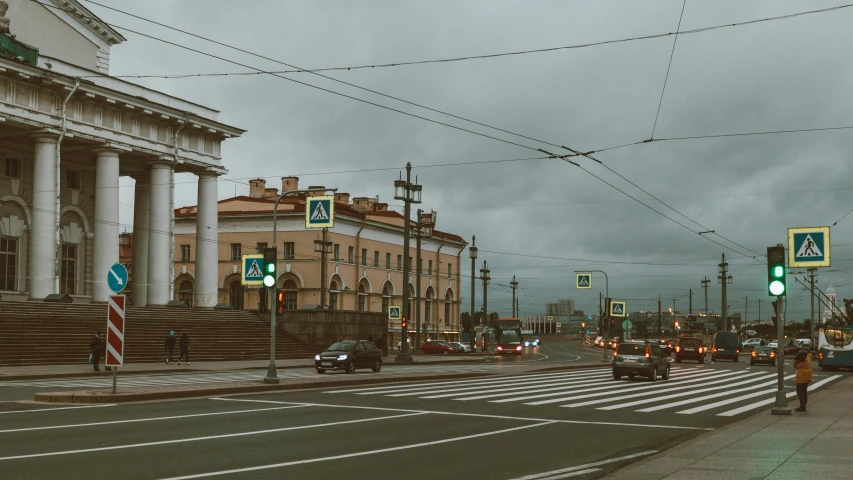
{"x": 671, "y": 54}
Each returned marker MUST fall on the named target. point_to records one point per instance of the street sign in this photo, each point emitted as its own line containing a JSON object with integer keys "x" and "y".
{"x": 808, "y": 247}
{"x": 320, "y": 212}
{"x": 395, "y": 313}
{"x": 584, "y": 280}
{"x": 626, "y": 325}
{"x": 117, "y": 278}
{"x": 253, "y": 269}
{"x": 115, "y": 331}
{"x": 617, "y": 309}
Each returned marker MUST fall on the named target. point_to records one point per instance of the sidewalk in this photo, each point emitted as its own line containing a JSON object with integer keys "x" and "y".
{"x": 816, "y": 444}
{"x": 85, "y": 370}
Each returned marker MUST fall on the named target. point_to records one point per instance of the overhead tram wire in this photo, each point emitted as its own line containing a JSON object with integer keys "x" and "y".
{"x": 494, "y": 55}
{"x": 671, "y": 54}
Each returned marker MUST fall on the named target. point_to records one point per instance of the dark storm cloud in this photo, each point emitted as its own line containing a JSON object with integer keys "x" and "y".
{"x": 778, "y": 75}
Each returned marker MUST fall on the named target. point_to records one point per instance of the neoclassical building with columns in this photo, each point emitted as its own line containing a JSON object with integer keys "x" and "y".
{"x": 68, "y": 132}
{"x": 363, "y": 272}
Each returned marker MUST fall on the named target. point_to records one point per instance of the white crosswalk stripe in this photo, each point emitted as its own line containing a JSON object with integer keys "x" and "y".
{"x": 707, "y": 389}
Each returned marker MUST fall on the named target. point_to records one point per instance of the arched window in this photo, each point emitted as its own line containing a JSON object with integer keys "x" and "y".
{"x": 448, "y": 301}
{"x": 235, "y": 295}
{"x": 430, "y": 297}
{"x": 386, "y": 297}
{"x": 362, "y": 296}
{"x": 333, "y": 295}
{"x": 185, "y": 292}
{"x": 289, "y": 295}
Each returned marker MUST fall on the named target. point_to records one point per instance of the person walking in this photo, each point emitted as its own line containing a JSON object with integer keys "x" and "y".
{"x": 803, "y": 365}
{"x": 185, "y": 349}
{"x": 170, "y": 346}
{"x": 97, "y": 347}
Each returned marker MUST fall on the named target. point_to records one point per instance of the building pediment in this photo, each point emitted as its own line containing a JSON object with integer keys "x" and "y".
{"x": 76, "y": 15}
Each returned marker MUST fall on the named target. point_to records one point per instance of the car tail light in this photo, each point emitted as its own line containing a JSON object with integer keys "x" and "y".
{"x": 772, "y": 354}
{"x": 820, "y": 355}
{"x": 714, "y": 349}
{"x": 701, "y": 349}
{"x": 677, "y": 349}
{"x": 614, "y": 354}
{"x": 518, "y": 347}
{"x": 500, "y": 348}
{"x": 753, "y": 353}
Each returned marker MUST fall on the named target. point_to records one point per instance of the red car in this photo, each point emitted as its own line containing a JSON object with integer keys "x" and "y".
{"x": 437, "y": 348}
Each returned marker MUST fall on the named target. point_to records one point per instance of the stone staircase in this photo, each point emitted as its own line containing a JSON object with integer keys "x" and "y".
{"x": 36, "y": 333}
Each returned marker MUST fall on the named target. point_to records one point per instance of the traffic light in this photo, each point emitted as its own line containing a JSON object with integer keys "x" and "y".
{"x": 403, "y": 322}
{"x": 583, "y": 324}
{"x": 279, "y": 302}
{"x": 269, "y": 267}
{"x": 776, "y": 271}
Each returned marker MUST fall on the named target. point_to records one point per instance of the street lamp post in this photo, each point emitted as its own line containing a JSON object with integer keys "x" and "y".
{"x": 472, "y": 252}
{"x": 423, "y": 229}
{"x": 409, "y": 193}
{"x": 272, "y": 376}
{"x": 604, "y": 324}
{"x": 724, "y": 279}
{"x": 323, "y": 247}
{"x": 485, "y": 275}
{"x": 514, "y": 285}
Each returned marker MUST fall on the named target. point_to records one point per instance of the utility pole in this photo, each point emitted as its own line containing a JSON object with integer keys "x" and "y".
{"x": 813, "y": 325}
{"x": 724, "y": 279}
{"x": 705, "y": 284}
{"x": 759, "y": 312}
{"x": 423, "y": 229}
{"x": 472, "y": 252}
{"x": 659, "y": 329}
{"x": 745, "y": 312}
{"x": 323, "y": 247}
{"x": 514, "y": 286}
{"x": 485, "y": 276}
{"x": 409, "y": 193}
{"x": 691, "y": 302}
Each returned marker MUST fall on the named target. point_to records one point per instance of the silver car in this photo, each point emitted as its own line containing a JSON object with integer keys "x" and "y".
{"x": 640, "y": 358}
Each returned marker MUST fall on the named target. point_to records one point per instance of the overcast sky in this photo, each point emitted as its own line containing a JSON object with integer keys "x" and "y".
{"x": 780, "y": 75}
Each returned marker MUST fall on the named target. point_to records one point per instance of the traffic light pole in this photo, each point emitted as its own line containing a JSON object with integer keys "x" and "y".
{"x": 272, "y": 376}
{"x": 781, "y": 405}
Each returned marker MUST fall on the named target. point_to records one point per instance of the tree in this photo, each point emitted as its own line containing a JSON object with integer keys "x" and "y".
{"x": 465, "y": 319}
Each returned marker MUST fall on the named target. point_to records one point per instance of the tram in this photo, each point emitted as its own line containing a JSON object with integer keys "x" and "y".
{"x": 835, "y": 348}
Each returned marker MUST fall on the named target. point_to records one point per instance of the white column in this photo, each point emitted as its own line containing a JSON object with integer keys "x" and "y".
{"x": 206, "y": 242}
{"x": 160, "y": 234}
{"x": 42, "y": 270}
{"x": 105, "y": 249}
{"x": 141, "y": 204}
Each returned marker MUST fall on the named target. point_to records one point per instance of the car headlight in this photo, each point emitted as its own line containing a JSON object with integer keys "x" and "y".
{"x": 500, "y": 348}
{"x": 343, "y": 357}
{"x": 317, "y": 357}
{"x": 526, "y": 344}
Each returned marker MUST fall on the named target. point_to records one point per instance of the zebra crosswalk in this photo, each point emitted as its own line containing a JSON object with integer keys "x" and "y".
{"x": 689, "y": 391}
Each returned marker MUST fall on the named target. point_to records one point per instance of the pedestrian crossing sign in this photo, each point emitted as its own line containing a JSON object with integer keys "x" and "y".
{"x": 395, "y": 313}
{"x": 808, "y": 247}
{"x": 584, "y": 280}
{"x": 320, "y": 212}
{"x": 617, "y": 309}
{"x": 253, "y": 269}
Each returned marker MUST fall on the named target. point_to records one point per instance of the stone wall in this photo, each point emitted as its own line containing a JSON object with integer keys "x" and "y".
{"x": 319, "y": 329}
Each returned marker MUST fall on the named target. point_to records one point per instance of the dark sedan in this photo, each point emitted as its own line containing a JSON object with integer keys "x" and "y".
{"x": 347, "y": 355}
{"x": 762, "y": 355}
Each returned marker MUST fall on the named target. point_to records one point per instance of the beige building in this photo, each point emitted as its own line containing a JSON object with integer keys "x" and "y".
{"x": 363, "y": 271}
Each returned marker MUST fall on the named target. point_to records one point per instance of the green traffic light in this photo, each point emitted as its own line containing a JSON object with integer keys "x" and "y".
{"x": 271, "y": 267}
{"x": 777, "y": 288}
{"x": 778, "y": 271}
{"x": 269, "y": 281}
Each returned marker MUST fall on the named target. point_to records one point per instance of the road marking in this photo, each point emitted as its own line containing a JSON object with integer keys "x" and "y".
{"x": 154, "y": 419}
{"x": 458, "y": 414}
{"x": 754, "y": 378}
{"x": 486, "y": 382}
{"x": 755, "y": 405}
{"x": 357, "y": 454}
{"x": 708, "y": 397}
{"x": 59, "y": 408}
{"x": 543, "y": 475}
{"x": 210, "y": 437}
{"x": 515, "y": 385}
{"x": 572, "y": 474}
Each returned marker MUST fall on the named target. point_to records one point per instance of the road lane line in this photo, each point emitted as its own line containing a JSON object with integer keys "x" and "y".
{"x": 572, "y": 474}
{"x": 549, "y": 475}
{"x": 708, "y": 397}
{"x": 753, "y": 377}
{"x": 755, "y": 405}
{"x": 494, "y": 381}
{"x": 154, "y": 419}
{"x": 58, "y": 408}
{"x": 458, "y": 414}
{"x": 198, "y": 439}
{"x": 357, "y": 454}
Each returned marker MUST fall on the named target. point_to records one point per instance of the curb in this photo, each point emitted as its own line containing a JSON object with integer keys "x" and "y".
{"x": 93, "y": 397}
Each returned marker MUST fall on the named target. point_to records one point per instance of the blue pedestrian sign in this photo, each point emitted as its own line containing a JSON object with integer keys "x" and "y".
{"x": 320, "y": 212}
{"x": 617, "y": 309}
{"x": 117, "y": 278}
{"x": 395, "y": 313}
{"x": 584, "y": 280}
{"x": 808, "y": 247}
{"x": 253, "y": 269}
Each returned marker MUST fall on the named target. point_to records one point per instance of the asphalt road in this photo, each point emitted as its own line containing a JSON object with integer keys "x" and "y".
{"x": 553, "y": 424}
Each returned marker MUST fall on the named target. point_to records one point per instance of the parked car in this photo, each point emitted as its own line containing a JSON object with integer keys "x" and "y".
{"x": 762, "y": 355}
{"x": 689, "y": 348}
{"x": 751, "y": 343}
{"x": 635, "y": 357}
{"x": 437, "y": 347}
{"x": 348, "y": 355}
{"x": 460, "y": 347}
{"x": 726, "y": 345}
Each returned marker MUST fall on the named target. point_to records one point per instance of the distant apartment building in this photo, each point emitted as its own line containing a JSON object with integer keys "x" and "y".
{"x": 562, "y": 307}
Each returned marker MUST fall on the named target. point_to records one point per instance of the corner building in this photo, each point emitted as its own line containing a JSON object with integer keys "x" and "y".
{"x": 364, "y": 271}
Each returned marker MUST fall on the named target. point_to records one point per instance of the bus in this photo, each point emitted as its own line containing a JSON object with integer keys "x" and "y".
{"x": 508, "y": 336}
{"x": 835, "y": 349}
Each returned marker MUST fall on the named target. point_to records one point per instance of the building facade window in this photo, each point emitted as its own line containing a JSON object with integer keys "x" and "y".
{"x": 429, "y": 268}
{"x": 449, "y": 270}
{"x": 428, "y": 311}
{"x": 236, "y": 250}
{"x": 13, "y": 168}
{"x": 333, "y": 295}
{"x": 376, "y": 259}
{"x": 362, "y": 298}
{"x": 289, "y": 252}
{"x": 185, "y": 253}
{"x": 260, "y": 247}
{"x": 72, "y": 179}
{"x": 68, "y": 270}
{"x": 386, "y": 298}
{"x": 388, "y": 261}
{"x": 8, "y": 264}
{"x": 448, "y": 301}
{"x": 364, "y": 256}
{"x": 351, "y": 255}
{"x": 290, "y": 297}
{"x": 337, "y": 252}
{"x": 399, "y": 262}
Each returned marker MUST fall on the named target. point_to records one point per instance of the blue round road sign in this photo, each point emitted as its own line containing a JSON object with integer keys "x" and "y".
{"x": 117, "y": 278}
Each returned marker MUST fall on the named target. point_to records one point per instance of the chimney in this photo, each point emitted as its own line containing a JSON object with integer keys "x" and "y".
{"x": 382, "y": 207}
{"x": 315, "y": 194}
{"x": 256, "y": 188}
{"x": 371, "y": 204}
{"x": 289, "y": 184}
{"x": 271, "y": 193}
{"x": 360, "y": 204}
{"x": 342, "y": 198}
